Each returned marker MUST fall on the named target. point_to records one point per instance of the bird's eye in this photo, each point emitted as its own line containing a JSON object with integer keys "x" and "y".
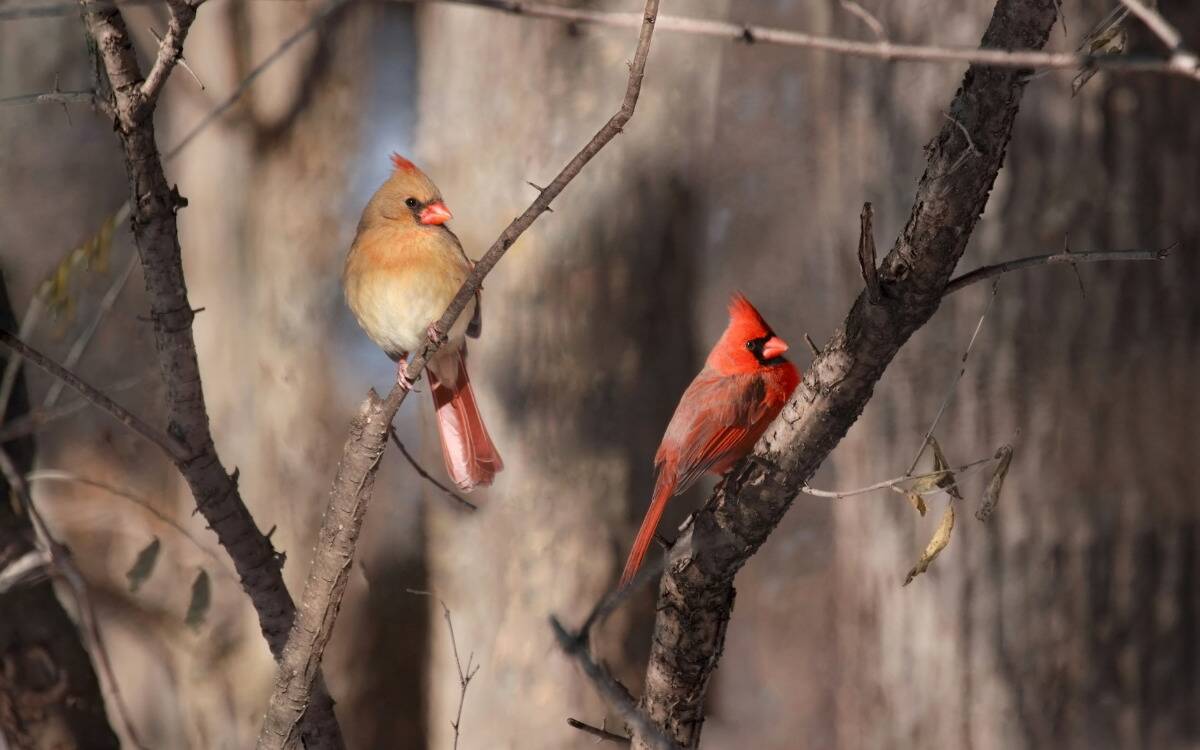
{"x": 750, "y": 344}
{"x": 412, "y": 202}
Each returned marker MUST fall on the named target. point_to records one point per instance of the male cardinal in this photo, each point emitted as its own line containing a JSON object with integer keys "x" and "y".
{"x": 743, "y": 386}
{"x": 404, "y": 268}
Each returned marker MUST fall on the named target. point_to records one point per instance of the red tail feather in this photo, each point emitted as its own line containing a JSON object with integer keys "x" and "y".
{"x": 663, "y": 489}
{"x": 471, "y": 457}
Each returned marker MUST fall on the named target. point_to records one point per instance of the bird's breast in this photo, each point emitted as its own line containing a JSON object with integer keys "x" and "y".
{"x": 396, "y": 290}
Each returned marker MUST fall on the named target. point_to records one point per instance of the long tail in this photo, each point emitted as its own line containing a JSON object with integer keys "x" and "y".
{"x": 663, "y": 489}
{"x": 471, "y": 457}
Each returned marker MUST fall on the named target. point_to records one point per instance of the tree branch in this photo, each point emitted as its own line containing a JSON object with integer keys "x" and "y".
{"x": 427, "y": 476}
{"x": 1015, "y": 57}
{"x": 1096, "y": 256}
{"x": 156, "y": 236}
{"x": 696, "y": 593}
{"x": 598, "y": 732}
{"x": 176, "y": 450}
{"x": 613, "y": 692}
{"x": 352, "y": 488}
{"x": 170, "y": 51}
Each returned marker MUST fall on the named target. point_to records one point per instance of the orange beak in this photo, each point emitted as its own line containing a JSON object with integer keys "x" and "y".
{"x": 775, "y": 347}
{"x": 435, "y": 213}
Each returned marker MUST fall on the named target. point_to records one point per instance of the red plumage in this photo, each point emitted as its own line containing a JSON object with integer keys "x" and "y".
{"x": 742, "y": 388}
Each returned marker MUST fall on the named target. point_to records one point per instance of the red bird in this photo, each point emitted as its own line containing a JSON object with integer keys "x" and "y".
{"x": 742, "y": 388}
{"x": 404, "y": 268}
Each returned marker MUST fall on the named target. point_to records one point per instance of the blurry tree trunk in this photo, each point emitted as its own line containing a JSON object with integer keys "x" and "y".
{"x": 598, "y": 294}
{"x": 49, "y": 695}
{"x": 1071, "y": 619}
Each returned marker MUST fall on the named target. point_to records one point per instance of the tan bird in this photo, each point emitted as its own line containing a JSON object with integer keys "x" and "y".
{"x": 403, "y": 269}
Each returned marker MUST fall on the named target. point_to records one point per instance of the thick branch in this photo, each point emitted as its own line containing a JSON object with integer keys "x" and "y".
{"x": 696, "y": 594}
{"x": 352, "y": 487}
{"x": 157, "y": 239}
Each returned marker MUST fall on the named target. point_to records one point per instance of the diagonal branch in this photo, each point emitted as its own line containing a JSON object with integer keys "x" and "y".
{"x": 175, "y": 449}
{"x": 170, "y": 52}
{"x": 352, "y": 488}
{"x": 156, "y": 236}
{"x": 696, "y": 594}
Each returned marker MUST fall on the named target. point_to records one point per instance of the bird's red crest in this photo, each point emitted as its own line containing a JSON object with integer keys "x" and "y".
{"x": 399, "y": 162}
{"x": 745, "y": 318}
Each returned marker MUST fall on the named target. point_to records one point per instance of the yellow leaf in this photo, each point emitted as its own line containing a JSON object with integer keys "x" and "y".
{"x": 941, "y": 537}
{"x": 947, "y": 480}
{"x": 916, "y": 501}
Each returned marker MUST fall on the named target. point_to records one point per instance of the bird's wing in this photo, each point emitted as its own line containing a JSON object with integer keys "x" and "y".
{"x": 715, "y": 415}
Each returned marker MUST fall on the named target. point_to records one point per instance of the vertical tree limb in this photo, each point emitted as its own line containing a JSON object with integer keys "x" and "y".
{"x": 154, "y": 205}
{"x": 696, "y": 594}
{"x": 354, "y": 483}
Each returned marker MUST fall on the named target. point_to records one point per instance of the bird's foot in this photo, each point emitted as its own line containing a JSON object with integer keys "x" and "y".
{"x": 402, "y": 379}
{"x": 435, "y": 336}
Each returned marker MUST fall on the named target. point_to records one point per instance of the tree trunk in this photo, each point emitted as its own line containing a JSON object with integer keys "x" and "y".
{"x": 574, "y": 320}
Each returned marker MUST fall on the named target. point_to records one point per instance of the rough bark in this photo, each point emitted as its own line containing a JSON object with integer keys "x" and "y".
{"x": 49, "y": 694}
{"x": 155, "y": 231}
{"x": 696, "y": 595}
{"x": 583, "y": 300}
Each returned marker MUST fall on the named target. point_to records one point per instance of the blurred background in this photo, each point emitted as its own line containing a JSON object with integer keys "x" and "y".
{"x": 1071, "y": 620}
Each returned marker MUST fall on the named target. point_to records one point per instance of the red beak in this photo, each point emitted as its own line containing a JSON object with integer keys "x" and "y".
{"x": 775, "y": 347}
{"x": 435, "y": 213}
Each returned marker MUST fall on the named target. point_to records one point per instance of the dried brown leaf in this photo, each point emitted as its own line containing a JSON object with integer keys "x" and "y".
{"x": 947, "y": 480}
{"x": 941, "y": 537}
{"x": 916, "y": 501}
{"x": 991, "y": 495}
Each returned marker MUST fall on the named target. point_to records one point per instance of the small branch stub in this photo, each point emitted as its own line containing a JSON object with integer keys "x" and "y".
{"x": 866, "y": 254}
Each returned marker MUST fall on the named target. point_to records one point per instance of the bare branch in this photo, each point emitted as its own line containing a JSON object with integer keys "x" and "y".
{"x": 1167, "y": 33}
{"x": 176, "y": 450}
{"x": 613, "y": 692}
{"x": 156, "y": 235}
{"x": 866, "y": 17}
{"x": 464, "y": 675}
{"x": 352, "y": 488}
{"x": 957, "y": 377}
{"x": 898, "y": 481}
{"x": 170, "y": 51}
{"x": 1096, "y": 256}
{"x": 599, "y": 732}
{"x": 427, "y": 476}
{"x": 51, "y": 97}
{"x": 1017, "y": 57}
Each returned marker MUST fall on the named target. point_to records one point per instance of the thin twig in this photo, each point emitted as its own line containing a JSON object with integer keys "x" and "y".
{"x": 612, "y": 691}
{"x": 37, "y": 419}
{"x": 85, "y": 337}
{"x": 353, "y": 486}
{"x": 464, "y": 675}
{"x": 175, "y": 449}
{"x": 57, "y": 475}
{"x": 898, "y": 481}
{"x": 426, "y": 475}
{"x": 1096, "y": 256}
{"x": 63, "y": 566}
{"x": 866, "y": 17}
{"x": 170, "y": 51}
{"x": 882, "y": 50}
{"x": 1167, "y": 33}
{"x": 954, "y": 383}
{"x": 50, "y": 97}
{"x": 600, "y": 732}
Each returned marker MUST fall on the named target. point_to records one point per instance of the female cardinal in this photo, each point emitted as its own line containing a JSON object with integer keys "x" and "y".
{"x": 743, "y": 386}
{"x": 404, "y": 268}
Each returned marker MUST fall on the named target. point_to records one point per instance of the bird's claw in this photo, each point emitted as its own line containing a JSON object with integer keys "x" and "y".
{"x": 402, "y": 379}
{"x": 435, "y": 336}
